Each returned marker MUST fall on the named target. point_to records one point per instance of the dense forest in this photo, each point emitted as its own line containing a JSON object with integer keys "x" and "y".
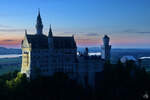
{"x": 116, "y": 82}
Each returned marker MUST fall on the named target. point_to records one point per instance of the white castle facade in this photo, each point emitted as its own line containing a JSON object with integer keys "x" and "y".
{"x": 44, "y": 55}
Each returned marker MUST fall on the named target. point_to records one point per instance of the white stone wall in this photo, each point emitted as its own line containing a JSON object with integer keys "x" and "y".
{"x": 106, "y": 52}
{"x": 62, "y": 60}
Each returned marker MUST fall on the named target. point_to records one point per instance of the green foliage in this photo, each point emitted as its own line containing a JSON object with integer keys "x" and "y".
{"x": 117, "y": 81}
{"x": 56, "y": 87}
{"x": 17, "y": 83}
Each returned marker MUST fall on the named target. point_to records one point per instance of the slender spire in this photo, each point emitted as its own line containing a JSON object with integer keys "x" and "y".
{"x": 39, "y": 25}
{"x": 50, "y": 33}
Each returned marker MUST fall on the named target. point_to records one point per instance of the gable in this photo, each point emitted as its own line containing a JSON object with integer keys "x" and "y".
{"x": 25, "y": 43}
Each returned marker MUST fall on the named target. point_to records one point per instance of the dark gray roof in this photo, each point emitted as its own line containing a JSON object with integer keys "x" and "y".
{"x": 41, "y": 42}
{"x": 64, "y": 42}
{"x": 38, "y": 41}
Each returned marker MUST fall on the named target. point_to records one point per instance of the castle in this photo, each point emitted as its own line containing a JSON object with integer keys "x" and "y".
{"x": 44, "y": 55}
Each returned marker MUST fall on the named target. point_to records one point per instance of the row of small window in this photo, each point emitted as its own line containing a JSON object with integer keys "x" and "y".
{"x": 62, "y": 65}
{"x": 62, "y": 60}
{"x": 64, "y": 52}
{"x": 34, "y": 57}
{"x": 25, "y": 56}
{"x": 63, "y": 70}
{"x": 56, "y": 70}
{"x": 37, "y": 57}
{"x": 26, "y": 62}
{"x": 41, "y": 70}
{"x": 37, "y": 62}
{"x": 38, "y": 51}
{"x": 40, "y": 65}
{"x": 25, "y": 52}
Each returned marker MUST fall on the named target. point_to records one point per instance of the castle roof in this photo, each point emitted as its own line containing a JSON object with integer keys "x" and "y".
{"x": 38, "y": 41}
{"x": 64, "y": 42}
{"x": 41, "y": 42}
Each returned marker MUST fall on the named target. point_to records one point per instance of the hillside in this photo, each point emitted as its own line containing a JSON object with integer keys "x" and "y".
{"x": 4, "y": 51}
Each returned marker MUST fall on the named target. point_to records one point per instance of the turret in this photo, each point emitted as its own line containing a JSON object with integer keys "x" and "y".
{"x": 106, "y": 48}
{"x": 50, "y": 38}
{"x": 105, "y": 40}
{"x": 86, "y": 53}
{"x": 50, "y": 34}
{"x": 39, "y": 25}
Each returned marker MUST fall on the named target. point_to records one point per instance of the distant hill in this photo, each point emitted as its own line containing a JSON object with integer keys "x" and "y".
{"x": 117, "y": 53}
{"x": 4, "y": 51}
{"x": 137, "y": 53}
{"x": 91, "y": 49}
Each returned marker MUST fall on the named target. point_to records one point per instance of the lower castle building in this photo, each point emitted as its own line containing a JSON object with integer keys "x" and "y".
{"x": 44, "y": 55}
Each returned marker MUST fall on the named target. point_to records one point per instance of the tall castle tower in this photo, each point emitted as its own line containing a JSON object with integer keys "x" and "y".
{"x": 39, "y": 25}
{"x": 106, "y": 48}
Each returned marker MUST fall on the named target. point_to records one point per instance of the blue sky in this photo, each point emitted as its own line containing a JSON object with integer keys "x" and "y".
{"x": 127, "y": 22}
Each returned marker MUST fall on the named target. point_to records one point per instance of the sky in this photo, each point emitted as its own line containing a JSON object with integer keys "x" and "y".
{"x": 126, "y": 22}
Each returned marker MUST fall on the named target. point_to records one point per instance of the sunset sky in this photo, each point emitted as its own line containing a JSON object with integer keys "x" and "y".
{"x": 127, "y": 22}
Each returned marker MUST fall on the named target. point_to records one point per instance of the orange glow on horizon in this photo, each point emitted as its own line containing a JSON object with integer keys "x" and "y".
{"x": 15, "y": 41}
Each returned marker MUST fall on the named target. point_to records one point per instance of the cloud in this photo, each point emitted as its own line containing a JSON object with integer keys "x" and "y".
{"x": 74, "y": 32}
{"x": 92, "y": 34}
{"x": 11, "y": 30}
{"x": 4, "y": 26}
{"x": 129, "y": 31}
{"x": 8, "y": 40}
{"x": 83, "y": 33}
{"x": 144, "y": 32}
{"x": 69, "y": 32}
{"x": 136, "y": 31}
